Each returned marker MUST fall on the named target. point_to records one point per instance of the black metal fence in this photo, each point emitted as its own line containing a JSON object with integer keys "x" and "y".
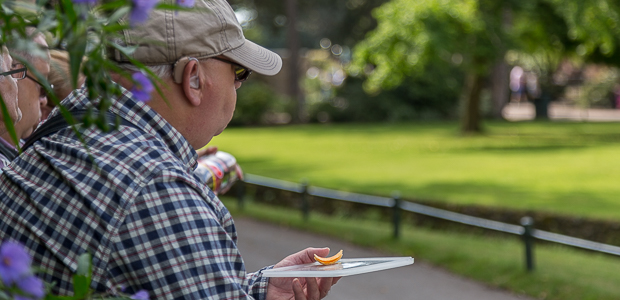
{"x": 526, "y": 229}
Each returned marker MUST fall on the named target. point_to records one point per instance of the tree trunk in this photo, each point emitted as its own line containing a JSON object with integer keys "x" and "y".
{"x": 501, "y": 73}
{"x": 470, "y": 122}
{"x": 294, "y": 90}
{"x": 500, "y": 89}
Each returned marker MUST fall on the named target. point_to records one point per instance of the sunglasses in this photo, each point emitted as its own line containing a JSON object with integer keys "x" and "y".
{"x": 241, "y": 73}
{"x": 18, "y": 72}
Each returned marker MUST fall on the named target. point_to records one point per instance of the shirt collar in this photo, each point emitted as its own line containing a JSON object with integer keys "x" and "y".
{"x": 6, "y": 143}
{"x": 144, "y": 117}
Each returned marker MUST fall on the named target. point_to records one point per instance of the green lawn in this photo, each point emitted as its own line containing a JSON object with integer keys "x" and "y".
{"x": 560, "y": 274}
{"x": 568, "y": 168}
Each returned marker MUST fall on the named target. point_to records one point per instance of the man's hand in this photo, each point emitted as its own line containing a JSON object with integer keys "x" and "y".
{"x": 300, "y": 288}
{"x": 206, "y": 151}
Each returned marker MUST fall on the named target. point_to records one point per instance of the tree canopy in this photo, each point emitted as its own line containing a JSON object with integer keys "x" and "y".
{"x": 472, "y": 35}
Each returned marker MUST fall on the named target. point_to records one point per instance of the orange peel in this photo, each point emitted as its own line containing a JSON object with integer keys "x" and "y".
{"x": 329, "y": 260}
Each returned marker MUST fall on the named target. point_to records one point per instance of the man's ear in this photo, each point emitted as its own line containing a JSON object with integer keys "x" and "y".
{"x": 191, "y": 82}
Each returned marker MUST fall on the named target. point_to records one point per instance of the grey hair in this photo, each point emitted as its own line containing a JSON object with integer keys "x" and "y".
{"x": 22, "y": 50}
{"x": 3, "y": 50}
{"x": 161, "y": 71}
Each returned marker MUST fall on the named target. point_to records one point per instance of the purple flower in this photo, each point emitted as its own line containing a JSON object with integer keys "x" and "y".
{"x": 186, "y": 3}
{"x": 140, "y": 11}
{"x": 20, "y": 297}
{"x": 140, "y": 295}
{"x": 84, "y": 1}
{"x": 14, "y": 262}
{"x": 32, "y": 285}
{"x": 142, "y": 87}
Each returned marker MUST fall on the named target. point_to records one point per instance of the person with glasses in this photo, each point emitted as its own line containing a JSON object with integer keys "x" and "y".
{"x": 8, "y": 90}
{"x": 130, "y": 197}
{"x": 32, "y": 94}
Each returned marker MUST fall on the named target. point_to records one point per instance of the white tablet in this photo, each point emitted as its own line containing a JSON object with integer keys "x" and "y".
{"x": 344, "y": 267}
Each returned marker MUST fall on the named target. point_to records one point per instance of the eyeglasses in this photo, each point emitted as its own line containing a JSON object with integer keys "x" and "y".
{"x": 241, "y": 73}
{"x": 18, "y": 72}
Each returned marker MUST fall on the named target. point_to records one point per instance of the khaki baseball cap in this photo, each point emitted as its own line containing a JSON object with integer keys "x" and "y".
{"x": 208, "y": 30}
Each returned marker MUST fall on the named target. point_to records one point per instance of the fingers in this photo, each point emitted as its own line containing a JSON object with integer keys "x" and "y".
{"x": 298, "y": 291}
{"x": 206, "y": 151}
{"x": 310, "y": 252}
{"x": 211, "y": 150}
{"x": 312, "y": 288}
{"x": 316, "y": 289}
{"x": 302, "y": 257}
{"x": 335, "y": 280}
{"x": 325, "y": 285}
{"x": 201, "y": 152}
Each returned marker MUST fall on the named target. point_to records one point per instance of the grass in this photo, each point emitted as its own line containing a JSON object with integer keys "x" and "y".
{"x": 567, "y": 168}
{"x": 561, "y": 273}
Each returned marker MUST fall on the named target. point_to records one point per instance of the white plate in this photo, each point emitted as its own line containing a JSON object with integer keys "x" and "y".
{"x": 344, "y": 267}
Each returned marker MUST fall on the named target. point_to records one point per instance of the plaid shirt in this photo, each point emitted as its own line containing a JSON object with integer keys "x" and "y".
{"x": 138, "y": 209}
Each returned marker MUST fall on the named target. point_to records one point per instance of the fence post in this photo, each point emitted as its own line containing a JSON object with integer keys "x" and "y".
{"x": 528, "y": 240}
{"x": 240, "y": 194}
{"x": 396, "y": 212}
{"x": 305, "y": 206}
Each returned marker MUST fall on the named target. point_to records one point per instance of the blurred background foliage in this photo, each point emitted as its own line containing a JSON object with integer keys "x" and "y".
{"x": 380, "y": 60}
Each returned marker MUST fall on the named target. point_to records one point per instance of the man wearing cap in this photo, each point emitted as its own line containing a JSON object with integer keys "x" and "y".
{"x": 131, "y": 199}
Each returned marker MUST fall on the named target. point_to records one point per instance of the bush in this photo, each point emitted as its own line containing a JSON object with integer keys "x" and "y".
{"x": 434, "y": 96}
{"x": 258, "y": 104}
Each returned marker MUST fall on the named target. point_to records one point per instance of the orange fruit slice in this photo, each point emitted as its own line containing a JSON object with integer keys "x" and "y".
{"x": 329, "y": 260}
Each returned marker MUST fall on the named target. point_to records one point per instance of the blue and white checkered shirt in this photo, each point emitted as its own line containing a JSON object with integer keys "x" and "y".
{"x": 132, "y": 202}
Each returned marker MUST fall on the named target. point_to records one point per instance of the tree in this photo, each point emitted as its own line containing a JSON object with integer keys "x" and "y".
{"x": 413, "y": 35}
{"x": 293, "y": 24}
{"x": 472, "y": 35}
{"x": 344, "y": 22}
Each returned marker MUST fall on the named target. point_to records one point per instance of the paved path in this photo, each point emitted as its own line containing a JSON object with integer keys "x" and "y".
{"x": 265, "y": 244}
{"x": 559, "y": 111}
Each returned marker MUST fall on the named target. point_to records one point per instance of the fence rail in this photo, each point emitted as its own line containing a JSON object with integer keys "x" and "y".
{"x": 525, "y": 229}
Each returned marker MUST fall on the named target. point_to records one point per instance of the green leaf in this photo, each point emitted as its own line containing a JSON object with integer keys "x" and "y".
{"x": 127, "y": 50}
{"x": 8, "y": 122}
{"x": 118, "y": 14}
{"x": 81, "y": 285}
{"x": 76, "y": 54}
{"x": 4, "y": 296}
{"x": 54, "y": 297}
{"x": 68, "y": 10}
{"x": 82, "y": 278}
{"x": 84, "y": 267}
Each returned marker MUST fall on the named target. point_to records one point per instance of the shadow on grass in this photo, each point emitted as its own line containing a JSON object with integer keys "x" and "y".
{"x": 571, "y": 203}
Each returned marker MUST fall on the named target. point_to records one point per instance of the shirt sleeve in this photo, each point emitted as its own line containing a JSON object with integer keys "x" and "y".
{"x": 174, "y": 245}
{"x": 258, "y": 283}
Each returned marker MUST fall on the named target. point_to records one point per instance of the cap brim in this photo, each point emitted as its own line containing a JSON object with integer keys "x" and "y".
{"x": 256, "y": 58}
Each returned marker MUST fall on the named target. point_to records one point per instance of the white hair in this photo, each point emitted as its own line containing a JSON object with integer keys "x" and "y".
{"x": 3, "y": 50}
{"x": 27, "y": 54}
{"x": 161, "y": 71}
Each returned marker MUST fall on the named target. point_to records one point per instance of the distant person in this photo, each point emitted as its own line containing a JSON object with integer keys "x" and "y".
{"x": 616, "y": 96}
{"x": 517, "y": 84}
{"x": 532, "y": 87}
{"x": 131, "y": 198}
{"x": 8, "y": 89}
